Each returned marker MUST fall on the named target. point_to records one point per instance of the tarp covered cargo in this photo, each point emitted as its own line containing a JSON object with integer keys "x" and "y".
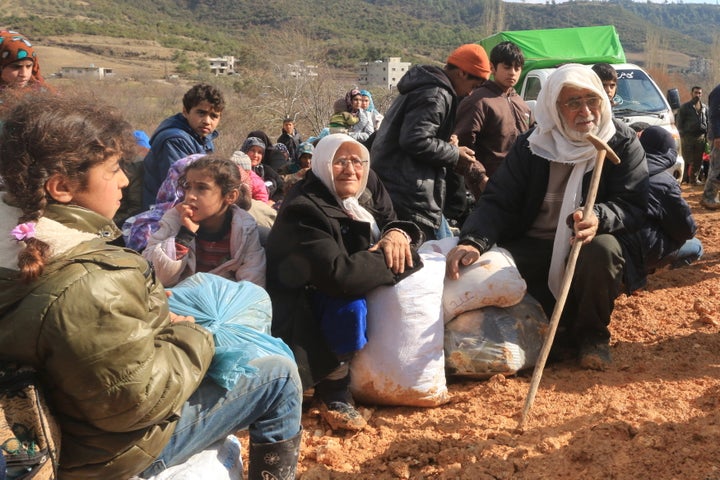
{"x": 555, "y": 46}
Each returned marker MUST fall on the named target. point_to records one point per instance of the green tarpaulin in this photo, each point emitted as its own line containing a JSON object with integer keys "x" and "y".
{"x": 555, "y": 46}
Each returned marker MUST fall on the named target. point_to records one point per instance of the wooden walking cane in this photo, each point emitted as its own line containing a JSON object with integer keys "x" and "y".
{"x": 603, "y": 150}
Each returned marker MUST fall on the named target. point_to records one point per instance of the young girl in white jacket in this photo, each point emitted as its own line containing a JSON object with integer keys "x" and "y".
{"x": 208, "y": 231}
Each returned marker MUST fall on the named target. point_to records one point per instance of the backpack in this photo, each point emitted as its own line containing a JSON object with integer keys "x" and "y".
{"x": 29, "y": 435}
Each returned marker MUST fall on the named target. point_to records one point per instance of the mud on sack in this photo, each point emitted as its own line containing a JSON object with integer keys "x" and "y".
{"x": 403, "y": 362}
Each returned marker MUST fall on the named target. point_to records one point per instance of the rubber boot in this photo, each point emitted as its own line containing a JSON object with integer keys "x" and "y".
{"x": 274, "y": 461}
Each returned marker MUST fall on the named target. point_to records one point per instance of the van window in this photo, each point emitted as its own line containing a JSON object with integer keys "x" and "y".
{"x": 637, "y": 93}
{"x": 532, "y": 88}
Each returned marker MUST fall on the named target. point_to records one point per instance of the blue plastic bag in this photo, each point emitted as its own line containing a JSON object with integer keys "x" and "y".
{"x": 238, "y": 314}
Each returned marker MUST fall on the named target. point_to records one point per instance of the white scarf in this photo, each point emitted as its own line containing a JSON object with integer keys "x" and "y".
{"x": 556, "y": 142}
{"x": 322, "y": 168}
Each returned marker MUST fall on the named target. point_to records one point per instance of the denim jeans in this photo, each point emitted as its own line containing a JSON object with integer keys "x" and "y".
{"x": 268, "y": 402}
{"x": 688, "y": 253}
{"x": 711, "y": 184}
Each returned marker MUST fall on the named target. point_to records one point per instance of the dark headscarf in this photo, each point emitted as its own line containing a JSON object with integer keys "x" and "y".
{"x": 660, "y": 148}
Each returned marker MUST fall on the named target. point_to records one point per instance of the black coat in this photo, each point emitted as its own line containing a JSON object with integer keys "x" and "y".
{"x": 410, "y": 152}
{"x": 315, "y": 246}
{"x": 669, "y": 223}
{"x": 514, "y": 195}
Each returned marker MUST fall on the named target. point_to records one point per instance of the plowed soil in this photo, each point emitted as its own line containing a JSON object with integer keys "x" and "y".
{"x": 653, "y": 415}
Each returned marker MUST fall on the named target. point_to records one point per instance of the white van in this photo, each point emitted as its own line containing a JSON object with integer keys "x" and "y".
{"x": 638, "y": 99}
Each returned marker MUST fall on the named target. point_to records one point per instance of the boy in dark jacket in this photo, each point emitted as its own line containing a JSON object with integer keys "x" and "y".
{"x": 412, "y": 153}
{"x": 191, "y": 131}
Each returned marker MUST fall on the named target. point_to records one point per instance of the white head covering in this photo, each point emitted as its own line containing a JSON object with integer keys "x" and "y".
{"x": 557, "y": 142}
{"x": 322, "y": 168}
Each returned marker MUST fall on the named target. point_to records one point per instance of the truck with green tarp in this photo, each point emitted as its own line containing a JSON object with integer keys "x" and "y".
{"x": 555, "y": 46}
{"x": 638, "y": 98}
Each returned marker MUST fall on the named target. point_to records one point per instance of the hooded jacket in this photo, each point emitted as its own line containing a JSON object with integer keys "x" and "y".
{"x": 669, "y": 220}
{"x": 96, "y": 326}
{"x": 174, "y": 139}
{"x": 411, "y": 152}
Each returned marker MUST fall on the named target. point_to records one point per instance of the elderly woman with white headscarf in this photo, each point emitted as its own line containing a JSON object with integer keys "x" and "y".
{"x": 335, "y": 239}
{"x": 532, "y": 207}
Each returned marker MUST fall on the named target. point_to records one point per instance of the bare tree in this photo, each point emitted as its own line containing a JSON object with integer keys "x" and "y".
{"x": 300, "y": 85}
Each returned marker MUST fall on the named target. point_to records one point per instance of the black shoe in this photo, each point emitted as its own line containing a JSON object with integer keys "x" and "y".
{"x": 342, "y": 416}
{"x": 710, "y": 204}
{"x": 595, "y": 356}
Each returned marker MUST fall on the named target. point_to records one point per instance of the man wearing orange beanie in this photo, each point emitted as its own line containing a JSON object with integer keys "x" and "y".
{"x": 412, "y": 152}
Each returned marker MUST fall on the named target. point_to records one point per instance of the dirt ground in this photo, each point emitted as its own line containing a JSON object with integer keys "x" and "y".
{"x": 653, "y": 415}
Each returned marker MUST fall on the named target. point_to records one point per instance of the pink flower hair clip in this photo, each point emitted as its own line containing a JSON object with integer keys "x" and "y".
{"x": 23, "y": 231}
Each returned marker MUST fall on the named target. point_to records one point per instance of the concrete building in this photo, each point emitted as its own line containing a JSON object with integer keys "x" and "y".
{"x": 386, "y": 73}
{"x": 301, "y": 69}
{"x": 91, "y": 71}
{"x": 222, "y": 65}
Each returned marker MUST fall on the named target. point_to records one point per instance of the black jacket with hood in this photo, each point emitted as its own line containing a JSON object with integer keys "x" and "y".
{"x": 669, "y": 223}
{"x": 411, "y": 152}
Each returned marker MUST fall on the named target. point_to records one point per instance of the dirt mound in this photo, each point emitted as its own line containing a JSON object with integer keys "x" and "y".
{"x": 653, "y": 415}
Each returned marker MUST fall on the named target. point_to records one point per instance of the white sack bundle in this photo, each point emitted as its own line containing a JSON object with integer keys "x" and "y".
{"x": 403, "y": 362}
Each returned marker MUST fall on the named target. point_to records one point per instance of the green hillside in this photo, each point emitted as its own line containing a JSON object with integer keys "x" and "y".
{"x": 347, "y": 31}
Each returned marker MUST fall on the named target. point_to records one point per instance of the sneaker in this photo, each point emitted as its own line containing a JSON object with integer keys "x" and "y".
{"x": 342, "y": 416}
{"x": 710, "y": 204}
{"x": 595, "y": 356}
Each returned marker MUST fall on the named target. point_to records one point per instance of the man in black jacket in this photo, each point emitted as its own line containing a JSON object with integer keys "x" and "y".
{"x": 692, "y": 121}
{"x": 290, "y": 138}
{"x": 531, "y": 207}
{"x": 412, "y": 152}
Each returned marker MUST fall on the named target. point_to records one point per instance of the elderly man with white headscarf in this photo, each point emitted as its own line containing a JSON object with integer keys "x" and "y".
{"x": 532, "y": 207}
{"x": 335, "y": 239}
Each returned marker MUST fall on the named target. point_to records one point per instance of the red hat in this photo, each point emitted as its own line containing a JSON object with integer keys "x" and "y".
{"x": 471, "y": 58}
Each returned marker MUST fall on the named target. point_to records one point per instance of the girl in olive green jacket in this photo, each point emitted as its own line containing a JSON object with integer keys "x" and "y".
{"x": 124, "y": 376}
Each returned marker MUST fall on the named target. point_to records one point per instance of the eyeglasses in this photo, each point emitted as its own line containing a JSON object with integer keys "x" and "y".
{"x": 343, "y": 162}
{"x": 577, "y": 103}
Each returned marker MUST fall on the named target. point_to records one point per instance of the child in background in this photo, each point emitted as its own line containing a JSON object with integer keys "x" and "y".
{"x": 258, "y": 189}
{"x": 298, "y": 169}
{"x": 341, "y": 120}
{"x": 125, "y": 377}
{"x": 305, "y": 153}
{"x": 368, "y": 105}
{"x": 191, "y": 131}
{"x": 256, "y": 149}
{"x": 608, "y": 77}
{"x": 19, "y": 64}
{"x": 208, "y": 231}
